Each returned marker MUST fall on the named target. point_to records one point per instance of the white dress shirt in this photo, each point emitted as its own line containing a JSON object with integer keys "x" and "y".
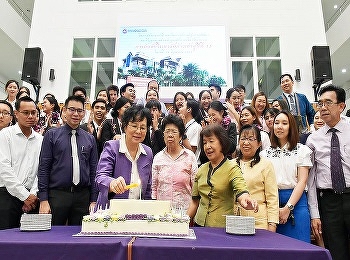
{"x": 193, "y": 130}
{"x": 320, "y": 174}
{"x": 19, "y": 160}
{"x": 134, "y": 193}
{"x": 286, "y": 163}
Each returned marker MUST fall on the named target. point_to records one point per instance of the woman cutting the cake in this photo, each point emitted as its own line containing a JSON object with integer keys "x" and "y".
{"x": 124, "y": 169}
{"x": 218, "y": 183}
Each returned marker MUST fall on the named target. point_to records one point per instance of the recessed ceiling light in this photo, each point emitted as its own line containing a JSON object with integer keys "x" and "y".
{"x": 19, "y": 72}
{"x": 335, "y": 6}
{"x": 343, "y": 70}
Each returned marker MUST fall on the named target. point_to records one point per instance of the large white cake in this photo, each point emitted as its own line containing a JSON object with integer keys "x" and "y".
{"x": 137, "y": 217}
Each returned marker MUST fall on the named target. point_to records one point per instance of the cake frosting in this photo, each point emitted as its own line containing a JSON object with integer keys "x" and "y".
{"x": 137, "y": 217}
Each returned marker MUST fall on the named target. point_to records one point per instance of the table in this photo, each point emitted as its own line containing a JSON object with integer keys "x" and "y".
{"x": 211, "y": 243}
{"x": 214, "y": 243}
{"x": 58, "y": 243}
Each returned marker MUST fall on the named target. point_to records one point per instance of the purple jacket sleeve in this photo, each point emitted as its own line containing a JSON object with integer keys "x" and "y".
{"x": 113, "y": 164}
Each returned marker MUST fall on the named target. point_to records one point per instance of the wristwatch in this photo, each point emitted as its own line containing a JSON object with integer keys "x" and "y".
{"x": 290, "y": 206}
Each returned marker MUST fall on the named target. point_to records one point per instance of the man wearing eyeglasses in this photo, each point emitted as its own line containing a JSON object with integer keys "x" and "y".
{"x": 67, "y": 168}
{"x": 329, "y": 178}
{"x": 19, "y": 159}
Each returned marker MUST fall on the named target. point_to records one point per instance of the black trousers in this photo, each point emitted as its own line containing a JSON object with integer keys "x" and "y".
{"x": 335, "y": 217}
{"x": 69, "y": 207}
{"x": 10, "y": 210}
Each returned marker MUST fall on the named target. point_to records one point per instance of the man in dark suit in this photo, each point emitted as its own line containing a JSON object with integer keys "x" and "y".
{"x": 298, "y": 103}
{"x": 67, "y": 168}
{"x": 97, "y": 116}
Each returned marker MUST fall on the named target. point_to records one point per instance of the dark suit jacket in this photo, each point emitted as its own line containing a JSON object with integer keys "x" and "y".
{"x": 94, "y": 133}
{"x": 156, "y": 142}
{"x": 109, "y": 129}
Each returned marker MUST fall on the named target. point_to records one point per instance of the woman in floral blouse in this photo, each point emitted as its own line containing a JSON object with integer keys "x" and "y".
{"x": 175, "y": 167}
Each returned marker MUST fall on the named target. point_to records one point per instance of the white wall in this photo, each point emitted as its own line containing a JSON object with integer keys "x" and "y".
{"x": 298, "y": 23}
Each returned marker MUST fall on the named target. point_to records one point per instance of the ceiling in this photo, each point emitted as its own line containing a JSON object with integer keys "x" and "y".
{"x": 11, "y": 55}
{"x": 340, "y": 59}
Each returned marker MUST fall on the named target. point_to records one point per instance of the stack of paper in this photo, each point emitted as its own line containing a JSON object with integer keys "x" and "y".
{"x": 240, "y": 225}
{"x": 35, "y": 222}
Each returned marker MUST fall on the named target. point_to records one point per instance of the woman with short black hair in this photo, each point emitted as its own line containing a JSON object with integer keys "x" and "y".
{"x": 219, "y": 183}
{"x": 174, "y": 167}
{"x": 126, "y": 160}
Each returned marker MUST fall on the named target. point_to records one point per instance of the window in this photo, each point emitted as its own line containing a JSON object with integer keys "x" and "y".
{"x": 80, "y": 75}
{"x": 256, "y": 64}
{"x": 92, "y": 65}
{"x": 106, "y": 47}
{"x": 104, "y": 75}
{"x": 98, "y": 0}
{"x": 83, "y": 48}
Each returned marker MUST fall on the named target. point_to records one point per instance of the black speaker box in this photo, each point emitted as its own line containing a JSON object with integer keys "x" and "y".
{"x": 32, "y": 65}
{"x": 321, "y": 64}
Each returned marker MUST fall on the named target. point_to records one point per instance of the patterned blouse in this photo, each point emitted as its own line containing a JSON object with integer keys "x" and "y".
{"x": 286, "y": 163}
{"x": 172, "y": 179}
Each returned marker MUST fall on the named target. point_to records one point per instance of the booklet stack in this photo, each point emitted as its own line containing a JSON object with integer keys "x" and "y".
{"x": 239, "y": 225}
{"x": 35, "y": 222}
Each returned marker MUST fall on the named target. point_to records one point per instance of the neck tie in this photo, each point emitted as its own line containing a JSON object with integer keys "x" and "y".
{"x": 337, "y": 174}
{"x": 76, "y": 175}
{"x": 293, "y": 109}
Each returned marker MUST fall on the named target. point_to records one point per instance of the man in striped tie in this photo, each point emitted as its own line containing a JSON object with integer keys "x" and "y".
{"x": 299, "y": 105}
{"x": 67, "y": 168}
{"x": 329, "y": 178}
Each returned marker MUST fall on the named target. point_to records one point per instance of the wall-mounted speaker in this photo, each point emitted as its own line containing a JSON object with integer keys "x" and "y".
{"x": 32, "y": 65}
{"x": 297, "y": 75}
{"x": 321, "y": 64}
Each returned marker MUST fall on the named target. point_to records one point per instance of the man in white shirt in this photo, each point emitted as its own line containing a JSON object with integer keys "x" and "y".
{"x": 19, "y": 160}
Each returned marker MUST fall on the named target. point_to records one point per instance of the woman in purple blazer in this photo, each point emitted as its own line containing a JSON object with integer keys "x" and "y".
{"x": 126, "y": 161}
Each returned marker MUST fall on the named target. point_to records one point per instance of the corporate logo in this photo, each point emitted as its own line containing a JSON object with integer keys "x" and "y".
{"x": 134, "y": 30}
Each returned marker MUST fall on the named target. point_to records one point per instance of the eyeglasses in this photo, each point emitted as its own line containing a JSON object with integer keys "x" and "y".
{"x": 29, "y": 113}
{"x": 326, "y": 103}
{"x": 73, "y": 110}
{"x": 5, "y": 113}
{"x": 170, "y": 131}
{"x": 250, "y": 139}
{"x": 142, "y": 129}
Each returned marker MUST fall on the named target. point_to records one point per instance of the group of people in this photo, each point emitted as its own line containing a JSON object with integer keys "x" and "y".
{"x": 284, "y": 163}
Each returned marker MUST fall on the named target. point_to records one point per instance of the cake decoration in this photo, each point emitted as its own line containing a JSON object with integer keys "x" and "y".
{"x": 137, "y": 217}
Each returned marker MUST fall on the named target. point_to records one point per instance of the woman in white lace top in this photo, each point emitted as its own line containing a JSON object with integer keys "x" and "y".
{"x": 291, "y": 161}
